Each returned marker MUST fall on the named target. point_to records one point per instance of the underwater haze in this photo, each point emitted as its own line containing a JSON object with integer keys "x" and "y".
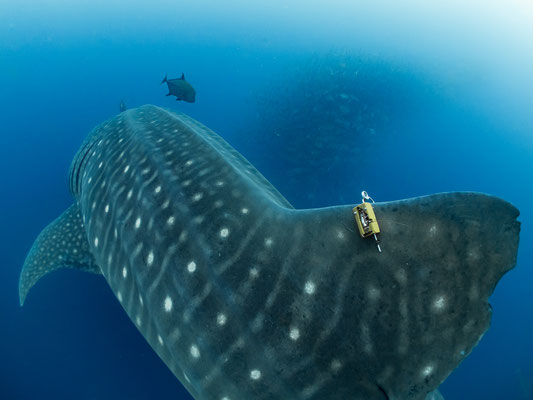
{"x": 325, "y": 98}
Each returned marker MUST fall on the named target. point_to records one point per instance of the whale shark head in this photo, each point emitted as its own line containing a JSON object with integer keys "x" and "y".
{"x": 244, "y": 297}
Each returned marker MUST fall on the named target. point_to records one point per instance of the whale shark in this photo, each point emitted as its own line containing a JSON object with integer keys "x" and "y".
{"x": 245, "y": 297}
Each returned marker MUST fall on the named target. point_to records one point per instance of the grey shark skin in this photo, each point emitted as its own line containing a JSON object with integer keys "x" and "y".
{"x": 244, "y": 297}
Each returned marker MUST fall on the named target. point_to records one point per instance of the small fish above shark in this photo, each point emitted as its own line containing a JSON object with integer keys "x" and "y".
{"x": 180, "y": 88}
{"x": 245, "y": 297}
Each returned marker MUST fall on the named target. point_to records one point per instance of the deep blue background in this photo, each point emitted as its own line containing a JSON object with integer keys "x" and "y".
{"x": 65, "y": 69}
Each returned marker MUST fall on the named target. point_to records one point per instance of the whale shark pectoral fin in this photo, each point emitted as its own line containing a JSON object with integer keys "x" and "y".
{"x": 62, "y": 244}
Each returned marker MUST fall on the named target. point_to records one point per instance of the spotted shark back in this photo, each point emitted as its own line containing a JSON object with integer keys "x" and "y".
{"x": 244, "y": 297}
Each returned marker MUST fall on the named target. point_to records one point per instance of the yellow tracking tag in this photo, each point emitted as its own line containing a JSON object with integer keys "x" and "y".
{"x": 366, "y": 219}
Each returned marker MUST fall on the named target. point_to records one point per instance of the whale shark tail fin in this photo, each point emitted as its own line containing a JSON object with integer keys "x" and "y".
{"x": 62, "y": 244}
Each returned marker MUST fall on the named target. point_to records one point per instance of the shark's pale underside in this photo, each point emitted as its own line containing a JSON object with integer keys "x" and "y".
{"x": 246, "y": 298}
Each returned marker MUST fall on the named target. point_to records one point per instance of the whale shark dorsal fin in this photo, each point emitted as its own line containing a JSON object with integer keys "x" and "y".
{"x": 420, "y": 305}
{"x": 182, "y": 77}
{"x": 62, "y": 244}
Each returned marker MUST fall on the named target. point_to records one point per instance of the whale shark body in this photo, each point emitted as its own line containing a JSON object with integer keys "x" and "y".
{"x": 244, "y": 297}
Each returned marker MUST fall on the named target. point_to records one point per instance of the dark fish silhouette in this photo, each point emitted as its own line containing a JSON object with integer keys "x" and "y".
{"x": 180, "y": 88}
{"x": 245, "y": 297}
{"x": 122, "y": 106}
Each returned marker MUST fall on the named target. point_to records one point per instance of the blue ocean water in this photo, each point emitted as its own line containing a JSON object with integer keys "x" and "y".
{"x": 325, "y": 98}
